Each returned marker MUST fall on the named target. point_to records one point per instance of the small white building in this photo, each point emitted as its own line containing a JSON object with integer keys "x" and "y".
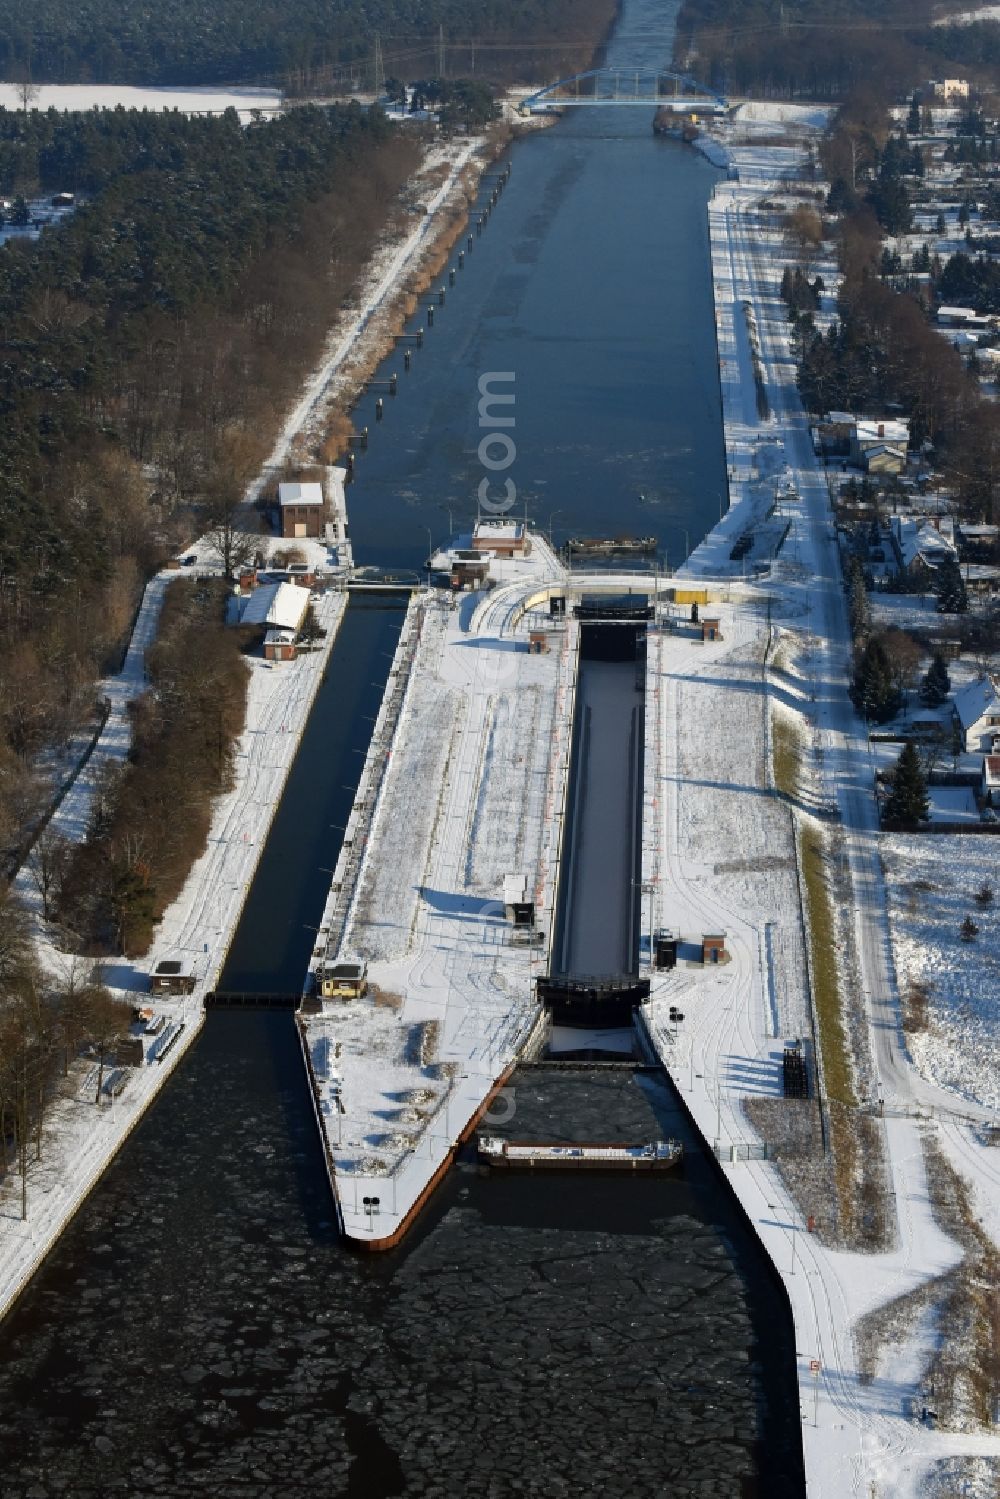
{"x": 343, "y": 979}
{"x": 518, "y": 901}
{"x": 977, "y": 716}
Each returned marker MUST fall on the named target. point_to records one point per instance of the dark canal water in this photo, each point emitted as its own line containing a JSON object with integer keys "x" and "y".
{"x": 591, "y": 284}
{"x": 199, "y": 1329}
{"x": 274, "y": 938}
{"x": 597, "y": 932}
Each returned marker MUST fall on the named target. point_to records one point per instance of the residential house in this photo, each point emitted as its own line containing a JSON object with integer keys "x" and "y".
{"x": 868, "y": 434}
{"x": 977, "y": 536}
{"x": 832, "y": 436}
{"x": 918, "y": 546}
{"x": 963, "y": 317}
{"x": 977, "y": 716}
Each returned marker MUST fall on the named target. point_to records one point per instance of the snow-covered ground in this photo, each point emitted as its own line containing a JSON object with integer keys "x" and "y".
{"x": 932, "y": 884}
{"x": 859, "y": 1438}
{"x": 77, "y": 96}
{"x": 967, "y": 17}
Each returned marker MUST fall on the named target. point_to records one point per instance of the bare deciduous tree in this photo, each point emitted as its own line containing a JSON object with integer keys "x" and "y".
{"x": 229, "y": 531}
{"x": 107, "y": 1021}
{"x": 27, "y": 92}
{"x": 48, "y": 861}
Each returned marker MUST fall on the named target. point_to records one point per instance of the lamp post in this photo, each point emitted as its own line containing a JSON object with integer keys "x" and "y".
{"x": 552, "y": 516}
{"x": 430, "y": 548}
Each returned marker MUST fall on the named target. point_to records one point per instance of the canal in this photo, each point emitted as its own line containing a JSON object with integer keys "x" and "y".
{"x": 200, "y": 1329}
{"x": 597, "y": 930}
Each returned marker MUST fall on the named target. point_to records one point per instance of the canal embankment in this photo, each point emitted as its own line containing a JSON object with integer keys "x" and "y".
{"x": 200, "y": 924}
{"x": 83, "y": 1138}
{"x": 726, "y": 851}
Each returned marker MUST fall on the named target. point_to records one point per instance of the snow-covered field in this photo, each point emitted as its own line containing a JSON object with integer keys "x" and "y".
{"x": 82, "y": 96}
{"x": 773, "y": 112}
{"x": 932, "y": 883}
{"x": 967, "y": 17}
{"x": 907, "y": 611}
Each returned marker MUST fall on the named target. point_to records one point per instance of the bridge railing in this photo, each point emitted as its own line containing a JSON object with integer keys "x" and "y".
{"x": 631, "y": 86}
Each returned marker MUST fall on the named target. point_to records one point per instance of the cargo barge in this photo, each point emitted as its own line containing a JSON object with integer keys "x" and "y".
{"x": 532, "y": 1155}
{"x": 609, "y": 546}
{"x": 668, "y": 122}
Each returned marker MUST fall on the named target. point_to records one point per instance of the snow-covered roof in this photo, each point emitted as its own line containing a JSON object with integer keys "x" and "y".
{"x": 885, "y": 429}
{"x": 499, "y": 530}
{"x": 975, "y": 701}
{"x": 914, "y": 538}
{"x": 281, "y": 606}
{"x": 515, "y": 889}
{"x": 300, "y": 494}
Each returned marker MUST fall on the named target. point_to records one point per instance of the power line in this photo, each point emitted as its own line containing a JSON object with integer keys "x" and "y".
{"x": 379, "y": 68}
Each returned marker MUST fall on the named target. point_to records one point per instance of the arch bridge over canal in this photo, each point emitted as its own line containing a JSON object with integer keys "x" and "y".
{"x": 642, "y": 87}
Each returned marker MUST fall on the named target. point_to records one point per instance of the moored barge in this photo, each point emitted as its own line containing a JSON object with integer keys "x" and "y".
{"x": 597, "y": 1155}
